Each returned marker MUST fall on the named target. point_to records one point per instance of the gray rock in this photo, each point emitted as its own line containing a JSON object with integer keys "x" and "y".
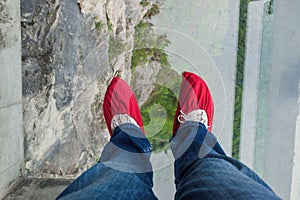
{"x": 66, "y": 69}
{"x": 145, "y": 80}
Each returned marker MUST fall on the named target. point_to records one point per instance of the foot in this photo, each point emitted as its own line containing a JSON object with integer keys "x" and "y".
{"x": 120, "y": 106}
{"x": 194, "y": 103}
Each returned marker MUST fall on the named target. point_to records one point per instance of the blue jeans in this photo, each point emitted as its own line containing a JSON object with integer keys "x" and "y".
{"x": 202, "y": 170}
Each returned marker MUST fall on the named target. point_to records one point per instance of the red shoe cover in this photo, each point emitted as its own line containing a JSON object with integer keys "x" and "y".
{"x": 194, "y": 94}
{"x": 120, "y": 99}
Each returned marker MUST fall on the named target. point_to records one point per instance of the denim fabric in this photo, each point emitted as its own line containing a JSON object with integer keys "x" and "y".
{"x": 202, "y": 170}
{"x": 123, "y": 172}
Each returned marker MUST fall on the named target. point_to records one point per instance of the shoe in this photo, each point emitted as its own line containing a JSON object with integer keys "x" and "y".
{"x": 120, "y": 106}
{"x": 194, "y": 103}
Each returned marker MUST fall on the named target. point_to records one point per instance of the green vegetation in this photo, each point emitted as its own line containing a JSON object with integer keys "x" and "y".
{"x": 159, "y": 109}
{"x": 99, "y": 25}
{"x": 144, "y": 3}
{"x": 154, "y": 10}
{"x": 239, "y": 78}
{"x": 270, "y": 7}
{"x": 148, "y": 46}
{"x": 163, "y": 96}
{"x": 109, "y": 24}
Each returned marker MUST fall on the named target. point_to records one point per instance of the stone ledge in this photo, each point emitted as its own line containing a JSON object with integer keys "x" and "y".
{"x": 35, "y": 188}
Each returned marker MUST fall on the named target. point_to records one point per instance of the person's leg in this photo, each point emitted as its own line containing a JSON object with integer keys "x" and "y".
{"x": 124, "y": 170}
{"x": 202, "y": 170}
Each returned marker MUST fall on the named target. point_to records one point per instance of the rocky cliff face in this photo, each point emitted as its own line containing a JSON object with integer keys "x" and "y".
{"x": 71, "y": 50}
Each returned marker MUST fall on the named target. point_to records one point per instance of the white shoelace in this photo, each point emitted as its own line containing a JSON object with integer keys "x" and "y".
{"x": 195, "y": 115}
{"x": 119, "y": 119}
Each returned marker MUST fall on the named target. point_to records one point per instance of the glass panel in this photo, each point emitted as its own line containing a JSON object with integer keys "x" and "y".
{"x": 264, "y": 85}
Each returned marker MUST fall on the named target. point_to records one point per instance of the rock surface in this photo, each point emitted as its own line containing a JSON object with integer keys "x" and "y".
{"x": 144, "y": 81}
{"x": 71, "y": 50}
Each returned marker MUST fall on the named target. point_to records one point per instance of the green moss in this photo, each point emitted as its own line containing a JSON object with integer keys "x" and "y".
{"x": 99, "y": 25}
{"x": 159, "y": 109}
{"x": 109, "y": 24}
{"x": 144, "y": 3}
{"x": 271, "y": 7}
{"x": 239, "y": 78}
{"x": 164, "y": 97}
{"x": 154, "y": 10}
{"x": 148, "y": 46}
